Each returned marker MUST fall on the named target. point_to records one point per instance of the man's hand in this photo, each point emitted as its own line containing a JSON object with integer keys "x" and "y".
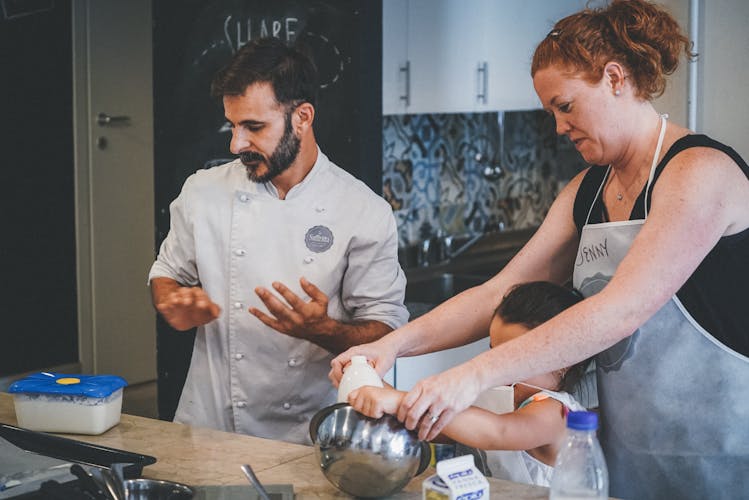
{"x": 299, "y": 319}
{"x": 310, "y": 320}
{"x": 183, "y": 307}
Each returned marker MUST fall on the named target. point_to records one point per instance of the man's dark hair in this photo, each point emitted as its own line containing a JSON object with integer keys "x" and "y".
{"x": 290, "y": 72}
{"x": 533, "y": 303}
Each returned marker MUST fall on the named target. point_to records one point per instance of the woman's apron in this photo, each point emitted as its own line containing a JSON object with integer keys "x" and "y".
{"x": 674, "y": 401}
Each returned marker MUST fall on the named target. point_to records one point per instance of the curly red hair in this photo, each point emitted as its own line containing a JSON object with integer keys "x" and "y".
{"x": 641, "y": 36}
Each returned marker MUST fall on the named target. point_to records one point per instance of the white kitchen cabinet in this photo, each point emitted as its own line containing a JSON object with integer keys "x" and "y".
{"x": 453, "y": 56}
{"x": 445, "y": 47}
{"x": 431, "y": 48}
{"x": 513, "y": 30}
{"x": 410, "y": 370}
{"x": 395, "y": 84}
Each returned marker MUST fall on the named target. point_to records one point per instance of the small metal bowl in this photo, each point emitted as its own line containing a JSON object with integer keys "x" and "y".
{"x": 152, "y": 489}
{"x": 366, "y": 457}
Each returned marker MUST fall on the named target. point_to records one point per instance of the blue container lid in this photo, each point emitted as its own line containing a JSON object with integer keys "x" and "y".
{"x": 93, "y": 386}
{"x": 582, "y": 420}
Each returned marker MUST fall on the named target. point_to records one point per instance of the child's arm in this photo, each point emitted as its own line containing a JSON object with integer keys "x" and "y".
{"x": 538, "y": 424}
{"x": 376, "y": 401}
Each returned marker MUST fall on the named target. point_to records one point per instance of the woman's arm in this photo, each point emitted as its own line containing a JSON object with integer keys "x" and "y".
{"x": 694, "y": 204}
{"x": 548, "y": 255}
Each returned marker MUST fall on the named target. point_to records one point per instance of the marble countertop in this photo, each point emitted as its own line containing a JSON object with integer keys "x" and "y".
{"x": 198, "y": 456}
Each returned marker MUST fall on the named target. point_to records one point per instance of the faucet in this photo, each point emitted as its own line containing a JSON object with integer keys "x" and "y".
{"x": 448, "y": 242}
{"x": 424, "y": 251}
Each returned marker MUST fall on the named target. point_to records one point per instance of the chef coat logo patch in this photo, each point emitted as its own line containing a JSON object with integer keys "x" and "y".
{"x": 318, "y": 239}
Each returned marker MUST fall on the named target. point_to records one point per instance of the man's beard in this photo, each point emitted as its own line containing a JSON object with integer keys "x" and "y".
{"x": 281, "y": 159}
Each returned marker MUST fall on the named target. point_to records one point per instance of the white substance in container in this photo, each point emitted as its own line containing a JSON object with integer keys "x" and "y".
{"x": 68, "y": 413}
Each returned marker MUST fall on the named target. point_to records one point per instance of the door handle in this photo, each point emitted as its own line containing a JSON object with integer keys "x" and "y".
{"x": 104, "y": 119}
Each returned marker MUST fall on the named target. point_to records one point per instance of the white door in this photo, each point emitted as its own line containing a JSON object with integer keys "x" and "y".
{"x": 115, "y": 200}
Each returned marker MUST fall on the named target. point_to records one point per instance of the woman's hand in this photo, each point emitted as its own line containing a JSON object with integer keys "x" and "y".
{"x": 434, "y": 401}
{"x": 379, "y": 354}
{"x": 375, "y": 401}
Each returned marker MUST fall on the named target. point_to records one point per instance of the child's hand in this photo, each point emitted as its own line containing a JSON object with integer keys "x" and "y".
{"x": 375, "y": 401}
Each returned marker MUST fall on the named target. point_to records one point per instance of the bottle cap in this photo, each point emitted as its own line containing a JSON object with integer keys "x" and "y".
{"x": 582, "y": 420}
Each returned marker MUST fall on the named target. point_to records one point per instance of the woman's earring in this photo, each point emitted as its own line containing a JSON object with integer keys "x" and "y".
{"x": 617, "y": 92}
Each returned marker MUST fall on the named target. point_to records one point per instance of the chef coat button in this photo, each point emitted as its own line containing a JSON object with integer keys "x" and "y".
{"x": 308, "y": 259}
{"x": 239, "y": 252}
{"x": 244, "y": 198}
{"x": 286, "y": 406}
{"x": 238, "y": 356}
{"x": 320, "y": 209}
{"x": 237, "y": 305}
{"x": 293, "y": 362}
{"x": 241, "y": 404}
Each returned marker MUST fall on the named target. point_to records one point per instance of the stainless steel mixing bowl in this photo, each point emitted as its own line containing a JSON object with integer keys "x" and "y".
{"x": 363, "y": 456}
{"x": 152, "y": 489}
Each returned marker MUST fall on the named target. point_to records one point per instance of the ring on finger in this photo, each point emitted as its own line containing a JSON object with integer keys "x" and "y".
{"x": 433, "y": 418}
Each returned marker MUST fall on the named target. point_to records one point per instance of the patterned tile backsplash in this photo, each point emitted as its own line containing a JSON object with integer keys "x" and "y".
{"x": 446, "y": 174}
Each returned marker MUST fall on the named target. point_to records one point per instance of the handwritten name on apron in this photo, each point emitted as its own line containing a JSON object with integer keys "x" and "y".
{"x": 590, "y": 253}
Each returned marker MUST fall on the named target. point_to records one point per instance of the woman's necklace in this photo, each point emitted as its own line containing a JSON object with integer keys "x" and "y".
{"x": 627, "y": 188}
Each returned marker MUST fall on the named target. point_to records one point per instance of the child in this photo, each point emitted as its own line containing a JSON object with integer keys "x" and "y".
{"x": 524, "y": 442}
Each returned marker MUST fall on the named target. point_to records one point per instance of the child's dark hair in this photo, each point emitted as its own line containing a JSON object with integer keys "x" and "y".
{"x": 533, "y": 303}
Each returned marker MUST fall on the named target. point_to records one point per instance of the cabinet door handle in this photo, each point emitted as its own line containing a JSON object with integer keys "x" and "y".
{"x": 482, "y": 76}
{"x": 406, "y": 97}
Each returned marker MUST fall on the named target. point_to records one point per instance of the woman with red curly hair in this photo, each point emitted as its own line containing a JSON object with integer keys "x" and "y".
{"x": 656, "y": 237}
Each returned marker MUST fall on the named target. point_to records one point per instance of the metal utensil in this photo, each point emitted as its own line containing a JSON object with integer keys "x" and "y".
{"x": 255, "y": 482}
{"x": 104, "y": 477}
{"x": 88, "y": 483}
{"x": 118, "y": 473}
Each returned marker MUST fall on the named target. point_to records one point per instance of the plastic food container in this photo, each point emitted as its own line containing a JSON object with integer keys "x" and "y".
{"x": 77, "y": 404}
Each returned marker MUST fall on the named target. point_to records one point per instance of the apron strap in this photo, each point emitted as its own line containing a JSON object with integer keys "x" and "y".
{"x": 600, "y": 188}
{"x": 655, "y": 160}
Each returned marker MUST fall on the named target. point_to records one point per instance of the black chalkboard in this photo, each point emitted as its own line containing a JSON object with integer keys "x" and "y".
{"x": 37, "y": 246}
{"x": 195, "y": 38}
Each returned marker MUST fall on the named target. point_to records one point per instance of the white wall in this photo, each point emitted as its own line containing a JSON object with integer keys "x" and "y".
{"x": 723, "y": 108}
{"x": 674, "y": 100}
{"x": 723, "y": 69}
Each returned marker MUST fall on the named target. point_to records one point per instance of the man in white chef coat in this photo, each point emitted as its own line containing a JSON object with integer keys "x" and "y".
{"x": 278, "y": 240}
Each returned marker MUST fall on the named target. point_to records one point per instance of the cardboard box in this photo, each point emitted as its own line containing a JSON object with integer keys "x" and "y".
{"x": 456, "y": 478}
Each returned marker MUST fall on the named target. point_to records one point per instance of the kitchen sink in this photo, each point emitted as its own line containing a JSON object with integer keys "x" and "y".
{"x": 438, "y": 288}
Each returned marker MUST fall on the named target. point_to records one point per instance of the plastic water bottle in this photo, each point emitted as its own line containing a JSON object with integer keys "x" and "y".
{"x": 357, "y": 374}
{"x": 580, "y": 469}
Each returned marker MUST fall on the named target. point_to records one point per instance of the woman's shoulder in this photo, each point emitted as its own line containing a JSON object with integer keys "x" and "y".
{"x": 699, "y": 150}
{"x": 702, "y": 168}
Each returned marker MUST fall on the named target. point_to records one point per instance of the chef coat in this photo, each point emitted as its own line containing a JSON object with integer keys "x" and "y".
{"x": 231, "y": 235}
